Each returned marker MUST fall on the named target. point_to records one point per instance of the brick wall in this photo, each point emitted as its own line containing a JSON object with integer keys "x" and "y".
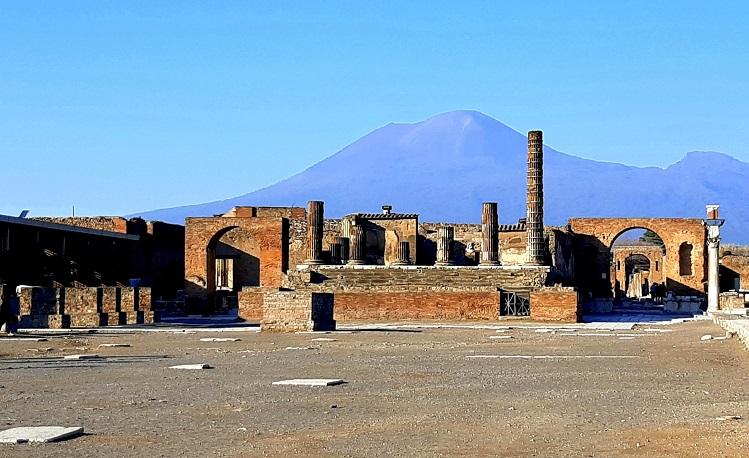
{"x": 427, "y": 305}
{"x": 102, "y": 223}
{"x": 555, "y": 304}
{"x": 294, "y": 311}
{"x": 250, "y": 302}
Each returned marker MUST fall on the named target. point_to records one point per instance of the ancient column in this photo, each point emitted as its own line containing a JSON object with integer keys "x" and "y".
{"x": 336, "y": 253}
{"x": 357, "y": 242}
{"x": 713, "y": 223}
{"x": 445, "y": 237}
{"x": 489, "y": 235}
{"x": 535, "y": 199}
{"x": 403, "y": 254}
{"x": 314, "y": 232}
{"x": 343, "y": 242}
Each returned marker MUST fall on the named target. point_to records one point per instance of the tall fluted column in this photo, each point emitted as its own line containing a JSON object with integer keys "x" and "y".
{"x": 535, "y": 199}
{"x": 489, "y": 235}
{"x": 357, "y": 242}
{"x": 314, "y": 232}
{"x": 445, "y": 237}
{"x": 403, "y": 254}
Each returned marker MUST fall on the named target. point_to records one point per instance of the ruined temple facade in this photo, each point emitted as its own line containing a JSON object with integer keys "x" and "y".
{"x": 382, "y": 265}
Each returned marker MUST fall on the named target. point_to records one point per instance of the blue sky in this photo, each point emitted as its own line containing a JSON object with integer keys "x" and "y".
{"x": 121, "y": 106}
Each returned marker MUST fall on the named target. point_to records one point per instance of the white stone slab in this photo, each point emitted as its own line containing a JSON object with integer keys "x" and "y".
{"x": 25, "y": 434}
{"x": 192, "y": 367}
{"x": 114, "y": 345}
{"x": 311, "y": 382}
{"x": 500, "y": 337}
{"x": 706, "y": 337}
{"x": 323, "y": 339}
{"x": 82, "y": 357}
{"x": 22, "y": 339}
{"x": 220, "y": 339}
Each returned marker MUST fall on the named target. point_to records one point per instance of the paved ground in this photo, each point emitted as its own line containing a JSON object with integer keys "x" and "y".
{"x": 410, "y": 392}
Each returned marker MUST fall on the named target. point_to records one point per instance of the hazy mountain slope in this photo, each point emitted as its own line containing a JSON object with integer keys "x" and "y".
{"x": 445, "y": 166}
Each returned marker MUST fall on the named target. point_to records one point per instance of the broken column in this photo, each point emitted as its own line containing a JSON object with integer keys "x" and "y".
{"x": 445, "y": 237}
{"x": 489, "y": 235}
{"x": 535, "y": 199}
{"x": 403, "y": 254}
{"x": 357, "y": 242}
{"x": 314, "y": 232}
{"x": 713, "y": 223}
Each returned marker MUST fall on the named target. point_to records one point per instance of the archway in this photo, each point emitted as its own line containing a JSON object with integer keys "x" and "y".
{"x": 637, "y": 262}
{"x": 232, "y": 261}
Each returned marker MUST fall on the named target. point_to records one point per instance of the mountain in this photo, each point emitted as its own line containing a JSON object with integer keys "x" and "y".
{"x": 445, "y": 166}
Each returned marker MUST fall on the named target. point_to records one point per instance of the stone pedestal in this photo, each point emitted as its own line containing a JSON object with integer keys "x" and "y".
{"x": 314, "y": 232}
{"x": 489, "y": 235}
{"x": 445, "y": 236}
{"x": 403, "y": 253}
{"x": 357, "y": 245}
{"x": 535, "y": 200}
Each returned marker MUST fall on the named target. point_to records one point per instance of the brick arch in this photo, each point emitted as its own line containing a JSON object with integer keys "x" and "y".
{"x": 201, "y": 234}
{"x": 595, "y": 237}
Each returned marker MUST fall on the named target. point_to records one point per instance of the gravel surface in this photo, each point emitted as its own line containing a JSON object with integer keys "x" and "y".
{"x": 408, "y": 393}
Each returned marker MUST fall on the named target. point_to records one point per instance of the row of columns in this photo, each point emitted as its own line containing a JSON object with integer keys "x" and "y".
{"x": 351, "y": 249}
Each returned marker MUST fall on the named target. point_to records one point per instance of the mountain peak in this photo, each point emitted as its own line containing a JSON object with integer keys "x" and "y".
{"x": 445, "y": 166}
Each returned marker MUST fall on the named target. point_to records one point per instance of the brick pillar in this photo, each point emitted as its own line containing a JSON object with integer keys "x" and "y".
{"x": 314, "y": 232}
{"x": 343, "y": 242}
{"x": 489, "y": 235}
{"x": 403, "y": 254}
{"x": 535, "y": 199}
{"x": 445, "y": 237}
{"x": 357, "y": 240}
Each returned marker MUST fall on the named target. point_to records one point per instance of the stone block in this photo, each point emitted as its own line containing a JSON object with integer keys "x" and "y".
{"x": 145, "y": 299}
{"x": 128, "y": 299}
{"x": 292, "y": 311}
{"x": 88, "y": 320}
{"x": 116, "y": 318}
{"x": 110, "y": 299}
{"x": 82, "y": 301}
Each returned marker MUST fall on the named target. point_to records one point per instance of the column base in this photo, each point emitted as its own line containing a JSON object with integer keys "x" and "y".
{"x": 356, "y": 262}
{"x": 314, "y": 262}
{"x": 444, "y": 264}
{"x": 396, "y": 264}
{"x": 489, "y": 263}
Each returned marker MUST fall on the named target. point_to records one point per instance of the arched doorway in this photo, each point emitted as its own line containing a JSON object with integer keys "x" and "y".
{"x": 233, "y": 261}
{"x": 637, "y": 260}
